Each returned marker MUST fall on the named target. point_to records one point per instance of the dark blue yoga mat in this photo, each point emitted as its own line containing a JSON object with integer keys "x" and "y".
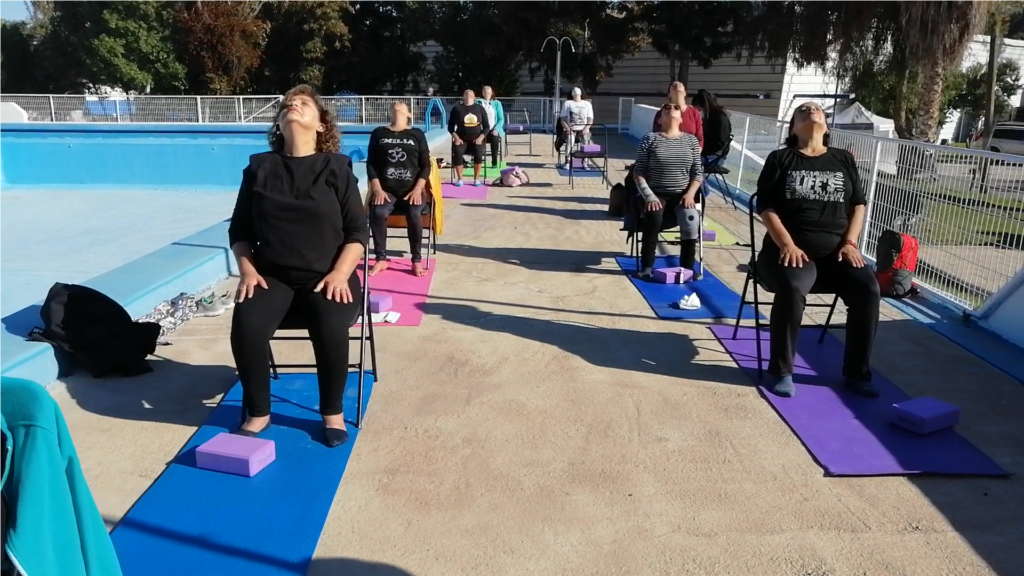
{"x": 194, "y": 521}
{"x": 716, "y": 299}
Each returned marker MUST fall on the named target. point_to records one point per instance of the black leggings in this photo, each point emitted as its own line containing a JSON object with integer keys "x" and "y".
{"x": 459, "y": 152}
{"x": 256, "y": 319}
{"x": 495, "y": 142}
{"x": 858, "y": 289}
{"x": 413, "y": 216}
{"x": 652, "y": 225}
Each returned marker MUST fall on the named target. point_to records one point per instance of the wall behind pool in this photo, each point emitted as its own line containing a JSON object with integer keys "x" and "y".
{"x": 138, "y": 156}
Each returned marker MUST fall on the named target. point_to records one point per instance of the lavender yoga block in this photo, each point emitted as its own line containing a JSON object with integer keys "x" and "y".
{"x": 675, "y": 275}
{"x": 235, "y": 454}
{"x": 709, "y": 235}
{"x": 380, "y": 303}
{"x": 925, "y": 415}
{"x": 591, "y": 147}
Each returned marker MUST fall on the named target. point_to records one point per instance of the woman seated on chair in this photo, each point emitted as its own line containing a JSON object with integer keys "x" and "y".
{"x": 717, "y": 128}
{"x": 398, "y": 167}
{"x": 668, "y": 174}
{"x": 810, "y": 199}
{"x": 468, "y": 125}
{"x": 496, "y": 120}
{"x": 298, "y": 232}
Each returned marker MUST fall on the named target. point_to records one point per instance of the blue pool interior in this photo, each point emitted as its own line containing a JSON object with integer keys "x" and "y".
{"x": 137, "y": 211}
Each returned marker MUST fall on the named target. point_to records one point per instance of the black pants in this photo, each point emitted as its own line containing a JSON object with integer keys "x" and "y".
{"x": 652, "y": 223}
{"x": 256, "y": 319}
{"x": 413, "y": 216}
{"x": 858, "y": 289}
{"x": 459, "y": 152}
{"x": 494, "y": 140}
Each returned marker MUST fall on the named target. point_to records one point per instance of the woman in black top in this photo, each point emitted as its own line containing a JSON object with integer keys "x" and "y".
{"x": 810, "y": 199}
{"x": 298, "y": 232}
{"x": 717, "y": 128}
{"x": 398, "y": 166}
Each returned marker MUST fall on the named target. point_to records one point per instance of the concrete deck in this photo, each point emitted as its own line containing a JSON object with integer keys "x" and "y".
{"x": 566, "y": 430}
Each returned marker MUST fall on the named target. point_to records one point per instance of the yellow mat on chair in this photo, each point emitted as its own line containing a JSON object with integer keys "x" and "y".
{"x": 723, "y": 236}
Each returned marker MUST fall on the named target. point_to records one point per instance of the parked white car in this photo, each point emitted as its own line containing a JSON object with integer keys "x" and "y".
{"x": 1008, "y": 138}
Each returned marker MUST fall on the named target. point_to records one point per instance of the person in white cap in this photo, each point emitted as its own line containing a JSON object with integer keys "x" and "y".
{"x": 577, "y": 116}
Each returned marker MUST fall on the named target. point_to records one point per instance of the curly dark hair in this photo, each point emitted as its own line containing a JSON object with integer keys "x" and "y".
{"x": 327, "y": 141}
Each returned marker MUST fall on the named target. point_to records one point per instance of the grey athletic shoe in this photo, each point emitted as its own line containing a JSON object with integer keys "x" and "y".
{"x": 227, "y": 300}
{"x": 208, "y": 307}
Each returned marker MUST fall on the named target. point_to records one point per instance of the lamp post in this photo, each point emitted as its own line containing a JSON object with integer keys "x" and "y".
{"x": 558, "y": 67}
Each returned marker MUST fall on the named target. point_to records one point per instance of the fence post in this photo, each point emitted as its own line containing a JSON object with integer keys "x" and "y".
{"x": 199, "y": 110}
{"x": 117, "y": 110}
{"x": 362, "y": 109}
{"x": 872, "y": 185}
{"x": 53, "y": 111}
{"x": 743, "y": 150}
{"x": 240, "y": 107}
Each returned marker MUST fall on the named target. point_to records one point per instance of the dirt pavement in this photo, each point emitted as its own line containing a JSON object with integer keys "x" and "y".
{"x": 563, "y": 429}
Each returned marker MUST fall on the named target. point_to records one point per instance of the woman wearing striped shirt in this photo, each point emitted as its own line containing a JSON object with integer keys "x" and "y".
{"x": 668, "y": 174}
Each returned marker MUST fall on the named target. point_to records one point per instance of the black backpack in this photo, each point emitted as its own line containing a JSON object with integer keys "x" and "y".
{"x": 96, "y": 331}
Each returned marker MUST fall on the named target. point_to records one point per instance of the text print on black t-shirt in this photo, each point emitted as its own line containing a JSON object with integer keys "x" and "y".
{"x": 815, "y": 185}
{"x": 397, "y": 155}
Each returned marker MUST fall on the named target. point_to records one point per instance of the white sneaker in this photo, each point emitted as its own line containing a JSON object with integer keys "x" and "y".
{"x": 209, "y": 307}
{"x": 565, "y": 166}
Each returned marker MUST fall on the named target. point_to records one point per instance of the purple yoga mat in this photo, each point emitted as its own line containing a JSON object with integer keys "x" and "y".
{"x": 847, "y": 434}
{"x": 465, "y": 192}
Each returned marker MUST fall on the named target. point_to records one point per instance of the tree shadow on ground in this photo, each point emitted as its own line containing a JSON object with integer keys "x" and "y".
{"x": 352, "y": 567}
{"x": 539, "y": 259}
{"x": 576, "y": 199}
{"x": 658, "y": 353}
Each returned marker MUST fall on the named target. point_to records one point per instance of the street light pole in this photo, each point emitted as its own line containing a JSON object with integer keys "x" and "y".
{"x": 558, "y": 68}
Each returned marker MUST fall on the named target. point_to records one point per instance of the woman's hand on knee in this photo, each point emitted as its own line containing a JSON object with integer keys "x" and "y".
{"x": 654, "y": 205}
{"x": 247, "y": 284}
{"x": 851, "y": 255}
{"x": 335, "y": 287}
{"x": 791, "y": 255}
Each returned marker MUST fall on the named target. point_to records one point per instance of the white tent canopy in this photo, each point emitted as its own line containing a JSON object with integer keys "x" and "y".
{"x": 854, "y": 116}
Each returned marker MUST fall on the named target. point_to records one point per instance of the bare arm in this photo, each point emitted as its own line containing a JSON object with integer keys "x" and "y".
{"x": 856, "y": 224}
{"x": 775, "y": 228}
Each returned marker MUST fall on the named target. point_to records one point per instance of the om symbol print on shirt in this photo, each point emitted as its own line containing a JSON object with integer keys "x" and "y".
{"x": 397, "y": 155}
{"x": 816, "y": 185}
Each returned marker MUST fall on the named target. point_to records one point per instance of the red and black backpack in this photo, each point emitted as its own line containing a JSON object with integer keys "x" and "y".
{"x": 895, "y": 263}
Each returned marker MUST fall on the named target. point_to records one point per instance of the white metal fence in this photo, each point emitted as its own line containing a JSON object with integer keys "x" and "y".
{"x": 965, "y": 207}
{"x": 233, "y": 109}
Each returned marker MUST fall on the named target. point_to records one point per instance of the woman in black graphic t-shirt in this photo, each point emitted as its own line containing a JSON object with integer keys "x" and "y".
{"x": 398, "y": 166}
{"x": 811, "y": 201}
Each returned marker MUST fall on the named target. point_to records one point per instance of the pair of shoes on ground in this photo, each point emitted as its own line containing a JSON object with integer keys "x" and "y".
{"x": 586, "y": 167}
{"x": 784, "y": 386}
{"x": 214, "y": 304}
{"x": 333, "y": 437}
{"x": 476, "y": 183}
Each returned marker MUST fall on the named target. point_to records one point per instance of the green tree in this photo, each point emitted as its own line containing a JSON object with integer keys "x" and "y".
{"x": 692, "y": 32}
{"x": 222, "y": 43}
{"x": 970, "y": 86}
{"x": 301, "y": 42}
{"x": 18, "y": 70}
{"x": 382, "y": 52}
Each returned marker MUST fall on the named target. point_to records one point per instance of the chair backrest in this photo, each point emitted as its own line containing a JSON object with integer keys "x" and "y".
{"x": 753, "y": 245}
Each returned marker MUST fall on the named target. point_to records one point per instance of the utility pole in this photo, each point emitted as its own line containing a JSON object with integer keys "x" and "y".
{"x": 558, "y": 68}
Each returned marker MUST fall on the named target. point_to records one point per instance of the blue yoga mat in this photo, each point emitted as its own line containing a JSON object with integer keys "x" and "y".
{"x": 579, "y": 173}
{"x": 194, "y": 521}
{"x": 716, "y": 299}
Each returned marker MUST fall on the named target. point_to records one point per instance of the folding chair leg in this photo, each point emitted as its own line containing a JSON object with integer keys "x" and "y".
{"x": 373, "y": 354}
{"x": 757, "y": 326}
{"x": 828, "y": 320}
{"x": 743, "y": 302}
{"x": 273, "y": 363}
{"x": 367, "y": 319}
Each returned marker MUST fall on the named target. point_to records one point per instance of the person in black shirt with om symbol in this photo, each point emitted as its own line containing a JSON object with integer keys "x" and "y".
{"x": 398, "y": 167}
{"x": 810, "y": 199}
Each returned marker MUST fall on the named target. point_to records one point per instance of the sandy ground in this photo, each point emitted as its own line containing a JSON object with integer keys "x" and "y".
{"x": 565, "y": 430}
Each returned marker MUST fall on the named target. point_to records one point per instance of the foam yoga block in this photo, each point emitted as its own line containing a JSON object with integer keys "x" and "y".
{"x": 925, "y": 415}
{"x": 380, "y": 303}
{"x": 235, "y": 454}
{"x": 709, "y": 235}
{"x": 515, "y": 129}
{"x": 591, "y": 147}
{"x": 673, "y": 275}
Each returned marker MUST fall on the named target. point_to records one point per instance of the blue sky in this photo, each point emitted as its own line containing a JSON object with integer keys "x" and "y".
{"x": 13, "y": 10}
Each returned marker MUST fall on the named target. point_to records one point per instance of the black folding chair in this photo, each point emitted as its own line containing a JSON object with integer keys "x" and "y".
{"x": 752, "y": 280}
{"x": 634, "y": 234}
{"x": 397, "y": 221}
{"x": 295, "y": 319}
{"x": 519, "y": 130}
{"x": 714, "y": 168}
{"x": 468, "y": 154}
{"x": 584, "y": 157}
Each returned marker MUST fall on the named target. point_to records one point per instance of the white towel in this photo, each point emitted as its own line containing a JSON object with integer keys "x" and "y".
{"x": 691, "y": 302}
{"x": 382, "y": 317}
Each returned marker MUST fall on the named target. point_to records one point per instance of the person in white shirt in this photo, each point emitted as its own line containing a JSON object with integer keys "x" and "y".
{"x": 577, "y": 116}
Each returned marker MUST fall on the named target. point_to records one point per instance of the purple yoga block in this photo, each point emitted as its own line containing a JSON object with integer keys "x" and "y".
{"x": 925, "y": 415}
{"x": 591, "y": 148}
{"x": 508, "y": 170}
{"x": 379, "y": 303}
{"x": 673, "y": 275}
{"x": 709, "y": 235}
{"x": 235, "y": 454}
{"x": 515, "y": 128}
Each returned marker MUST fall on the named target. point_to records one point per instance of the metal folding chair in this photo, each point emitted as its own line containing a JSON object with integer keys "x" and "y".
{"x": 583, "y": 157}
{"x": 752, "y": 280}
{"x": 519, "y": 130}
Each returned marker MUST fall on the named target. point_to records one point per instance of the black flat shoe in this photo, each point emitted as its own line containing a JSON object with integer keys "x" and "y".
{"x": 249, "y": 433}
{"x": 334, "y": 437}
{"x": 863, "y": 387}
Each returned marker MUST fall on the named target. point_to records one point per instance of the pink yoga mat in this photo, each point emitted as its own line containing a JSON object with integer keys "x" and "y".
{"x": 465, "y": 192}
{"x": 408, "y": 293}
